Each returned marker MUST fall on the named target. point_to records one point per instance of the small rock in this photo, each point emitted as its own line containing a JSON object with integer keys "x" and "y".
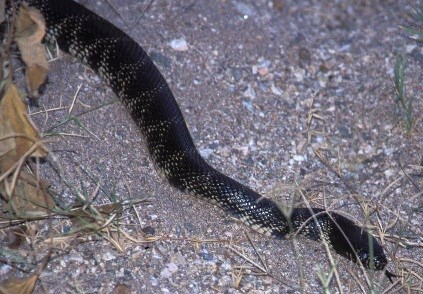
{"x": 165, "y": 273}
{"x": 275, "y": 90}
{"x": 250, "y": 93}
{"x": 389, "y": 173}
{"x": 179, "y": 44}
{"x": 263, "y": 66}
{"x": 172, "y": 267}
{"x": 206, "y": 152}
{"x": 263, "y": 71}
{"x": 206, "y": 255}
{"x": 169, "y": 270}
{"x": 247, "y": 104}
{"x": 368, "y": 149}
{"x": 243, "y": 150}
{"x": 224, "y": 152}
{"x": 108, "y": 256}
{"x": 389, "y": 151}
{"x": 214, "y": 145}
{"x": 299, "y": 158}
{"x": 74, "y": 256}
{"x": 244, "y": 9}
{"x": 120, "y": 273}
{"x": 228, "y": 234}
{"x": 154, "y": 281}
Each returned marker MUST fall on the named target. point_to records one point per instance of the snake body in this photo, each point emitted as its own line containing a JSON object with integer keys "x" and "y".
{"x": 128, "y": 70}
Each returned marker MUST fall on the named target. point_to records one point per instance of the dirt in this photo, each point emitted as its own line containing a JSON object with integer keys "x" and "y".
{"x": 263, "y": 85}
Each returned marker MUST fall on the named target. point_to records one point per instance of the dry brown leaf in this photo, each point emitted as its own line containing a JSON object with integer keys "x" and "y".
{"x": 122, "y": 289}
{"x": 26, "y": 195}
{"x": 29, "y": 197}
{"x": 19, "y": 286}
{"x": 30, "y": 31}
{"x": 17, "y": 132}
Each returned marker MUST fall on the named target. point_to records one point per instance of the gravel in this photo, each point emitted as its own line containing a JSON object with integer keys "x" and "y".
{"x": 247, "y": 75}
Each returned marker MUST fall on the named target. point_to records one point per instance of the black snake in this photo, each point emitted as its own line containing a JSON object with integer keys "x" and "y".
{"x": 125, "y": 66}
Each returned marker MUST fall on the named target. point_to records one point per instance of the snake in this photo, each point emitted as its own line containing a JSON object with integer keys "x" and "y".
{"x": 125, "y": 67}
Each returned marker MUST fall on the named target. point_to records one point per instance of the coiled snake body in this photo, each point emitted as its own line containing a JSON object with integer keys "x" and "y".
{"x": 124, "y": 65}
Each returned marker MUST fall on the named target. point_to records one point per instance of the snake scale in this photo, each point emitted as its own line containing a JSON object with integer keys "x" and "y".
{"x": 128, "y": 70}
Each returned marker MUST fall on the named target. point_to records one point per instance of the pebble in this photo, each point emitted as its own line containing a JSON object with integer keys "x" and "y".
{"x": 263, "y": 66}
{"x": 74, "y": 256}
{"x": 206, "y": 255}
{"x": 206, "y": 152}
{"x": 244, "y": 9}
{"x": 389, "y": 173}
{"x": 250, "y": 93}
{"x": 154, "y": 281}
{"x": 228, "y": 234}
{"x": 389, "y": 151}
{"x": 120, "y": 273}
{"x": 368, "y": 149}
{"x": 244, "y": 150}
{"x": 4, "y": 268}
{"x": 169, "y": 270}
{"x": 179, "y": 44}
{"x": 299, "y": 158}
{"x": 247, "y": 104}
{"x": 108, "y": 256}
{"x": 165, "y": 273}
{"x": 415, "y": 222}
{"x": 263, "y": 71}
{"x": 224, "y": 152}
{"x": 226, "y": 265}
{"x": 275, "y": 90}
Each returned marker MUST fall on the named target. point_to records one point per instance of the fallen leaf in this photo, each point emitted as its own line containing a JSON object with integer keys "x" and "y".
{"x": 17, "y": 132}
{"x": 30, "y": 31}
{"x": 25, "y": 194}
{"x": 28, "y": 198}
{"x": 19, "y": 286}
{"x": 122, "y": 289}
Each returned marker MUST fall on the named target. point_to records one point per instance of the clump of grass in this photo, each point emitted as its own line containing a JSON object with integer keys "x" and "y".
{"x": 403, "y": 101}
{"x": 415, "y": 28}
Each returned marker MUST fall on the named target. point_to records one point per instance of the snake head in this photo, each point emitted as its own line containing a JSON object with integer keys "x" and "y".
{"x": 355, "y": 243}
{"x": 376, "y": 260}
{"x": 342, "y": 235}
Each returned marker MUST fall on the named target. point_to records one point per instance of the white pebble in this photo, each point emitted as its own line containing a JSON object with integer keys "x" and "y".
{"x": 179, "y": 44}
{"x": 108, "y": 256}
{"x": 206, "y": 152}
{"x": 299, "y": 158}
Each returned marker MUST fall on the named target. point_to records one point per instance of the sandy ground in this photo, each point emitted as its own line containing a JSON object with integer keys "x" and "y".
{"x": 251, "y": 76}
